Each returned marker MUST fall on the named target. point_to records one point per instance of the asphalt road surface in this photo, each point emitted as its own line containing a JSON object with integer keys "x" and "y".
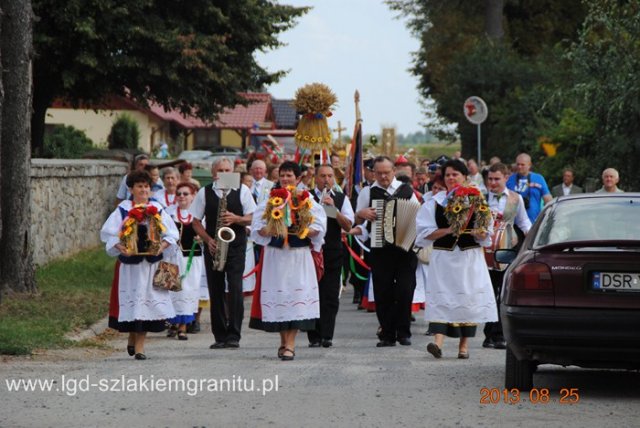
{"x": 185, "y": 384}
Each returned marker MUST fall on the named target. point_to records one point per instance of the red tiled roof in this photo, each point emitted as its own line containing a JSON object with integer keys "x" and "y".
{"x": 244, "y": 117}
{"x": 238, "y": 117}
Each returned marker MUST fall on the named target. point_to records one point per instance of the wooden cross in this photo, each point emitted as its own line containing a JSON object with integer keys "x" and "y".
{"x": 339, "y": 130}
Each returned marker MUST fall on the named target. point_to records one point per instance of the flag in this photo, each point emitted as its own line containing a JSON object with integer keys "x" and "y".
{"x": 353, "y": 176}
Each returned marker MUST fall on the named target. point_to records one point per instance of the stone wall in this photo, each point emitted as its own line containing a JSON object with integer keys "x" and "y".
{"x": 70, "y": 200}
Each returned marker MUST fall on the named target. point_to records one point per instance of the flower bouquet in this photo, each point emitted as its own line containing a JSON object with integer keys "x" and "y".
{"x": 136, "y": 216}
{"x": 461, "y": 204}
{"x": 288, "y": 211}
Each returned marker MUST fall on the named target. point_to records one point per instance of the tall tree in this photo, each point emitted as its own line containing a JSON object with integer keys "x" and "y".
{"x": 191, "y": 55}
{"x": 16, "y": 271}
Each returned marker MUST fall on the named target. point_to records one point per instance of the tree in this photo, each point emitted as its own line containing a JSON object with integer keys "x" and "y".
{"x": 124, "y": 133}
{"x": 66, "y": 142}
{"x": 191, "y": 55}
{"x": 16, "y": 270}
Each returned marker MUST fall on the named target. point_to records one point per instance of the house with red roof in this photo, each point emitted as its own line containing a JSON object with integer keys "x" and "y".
{"x": 230, "y": 129}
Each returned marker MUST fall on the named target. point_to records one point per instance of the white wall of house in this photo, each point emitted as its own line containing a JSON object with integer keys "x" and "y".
{"x": 97, "y": 124}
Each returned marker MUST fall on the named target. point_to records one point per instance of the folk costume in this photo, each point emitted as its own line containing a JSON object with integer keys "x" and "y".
{"x": 185, "y": 302}
{"x": 286, "y": 295}
{"x": 329, "y": 285}
{"x": 392, "y": 271}
{"x": 459, "y": 294}
{"x": 227, "y": 311}
{"x": 137, "y": 306}
{"x": 165, "y": 199}
{"x": 508, "y": 210}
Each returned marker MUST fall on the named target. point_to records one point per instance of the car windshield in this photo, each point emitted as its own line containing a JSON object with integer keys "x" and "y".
{"x": 590, "y": 219}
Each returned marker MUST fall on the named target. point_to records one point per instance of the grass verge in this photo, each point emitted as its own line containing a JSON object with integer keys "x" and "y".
{"x": 73, "y": 293}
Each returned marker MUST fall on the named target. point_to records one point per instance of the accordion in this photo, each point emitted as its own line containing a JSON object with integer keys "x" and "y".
{"x": 395, "y": 224}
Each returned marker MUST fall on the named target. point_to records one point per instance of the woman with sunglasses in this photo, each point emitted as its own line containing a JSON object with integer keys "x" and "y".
{"x": 185, "y": 302}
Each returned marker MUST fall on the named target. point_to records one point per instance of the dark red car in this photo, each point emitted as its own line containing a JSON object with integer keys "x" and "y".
{"x": 571, "y": 295}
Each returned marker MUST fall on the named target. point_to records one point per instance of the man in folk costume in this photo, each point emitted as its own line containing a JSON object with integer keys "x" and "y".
{"x": 393, "y": 269}
{"x": 339, "y": 217}
{"x": 226, "y": 311}
{"x": 507, "y": 208}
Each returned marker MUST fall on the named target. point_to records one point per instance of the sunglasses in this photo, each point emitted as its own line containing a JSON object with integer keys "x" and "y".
{"x": 183, "y": 193}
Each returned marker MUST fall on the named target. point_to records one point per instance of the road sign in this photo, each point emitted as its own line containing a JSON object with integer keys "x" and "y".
{"x": 475, "y": 110}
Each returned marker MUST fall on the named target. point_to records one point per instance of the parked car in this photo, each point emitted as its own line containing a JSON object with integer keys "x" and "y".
{"x": 571, "y": 296}
{"x": 191, "y": 155}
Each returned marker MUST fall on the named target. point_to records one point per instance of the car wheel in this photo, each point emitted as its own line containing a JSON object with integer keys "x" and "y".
{"x": 518, "y": 374}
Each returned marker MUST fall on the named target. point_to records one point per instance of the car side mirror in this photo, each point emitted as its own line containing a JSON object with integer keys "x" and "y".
{"x": 505, "y": 256}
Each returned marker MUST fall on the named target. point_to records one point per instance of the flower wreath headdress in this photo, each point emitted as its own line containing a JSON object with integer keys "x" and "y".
{"x": 129, "y": 230}
{"x": 461, "y": 203}
{"x": 288, "y": 211}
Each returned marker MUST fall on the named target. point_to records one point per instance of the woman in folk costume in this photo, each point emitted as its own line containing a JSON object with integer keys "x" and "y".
{"x": 289, "y": 225}
{"x": 185, "y": 302}
{"x": 459, "y": 295}
{"x": 140, "y": 233}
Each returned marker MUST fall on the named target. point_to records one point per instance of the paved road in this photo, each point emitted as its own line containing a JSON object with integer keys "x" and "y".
{"x": 352, "y": 384}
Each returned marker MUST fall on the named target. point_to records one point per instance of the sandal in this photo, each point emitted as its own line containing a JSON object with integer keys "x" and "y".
{"x": 182, "y": 335}
{"x": 434, "y": 350}
{"x": 281, "y": 351}
{"x": 131, "y": 350}
{"x": 288, "y": 357}
{"x": 173, "y": 330}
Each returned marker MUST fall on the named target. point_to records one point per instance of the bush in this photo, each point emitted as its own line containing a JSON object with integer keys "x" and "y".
{"x": 66, "y": 142}
{"x": 124, "y": 133}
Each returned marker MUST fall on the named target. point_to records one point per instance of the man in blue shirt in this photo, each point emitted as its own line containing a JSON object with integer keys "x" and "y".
{"x": 530, "y": 185}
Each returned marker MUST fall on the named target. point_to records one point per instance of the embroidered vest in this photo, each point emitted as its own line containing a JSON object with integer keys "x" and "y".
{"x": 449, "y": 242}
{"x": 187, "y": 236}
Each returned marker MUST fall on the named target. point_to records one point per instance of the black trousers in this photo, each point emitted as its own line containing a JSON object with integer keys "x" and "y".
{"x": 329, "y": 291}
{"x": 394, "y": 280}
{"x": 493, "y": 330}
{"x": 227, "y": 310}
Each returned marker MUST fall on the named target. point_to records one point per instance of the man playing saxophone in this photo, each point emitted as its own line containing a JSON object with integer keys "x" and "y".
{"x": 233, "y": 209}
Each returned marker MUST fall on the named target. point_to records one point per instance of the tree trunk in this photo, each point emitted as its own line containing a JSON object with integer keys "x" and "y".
{"x": 493, "y": 19}
{"x": 16, "y": 251}
{"x": 2, "y": 289}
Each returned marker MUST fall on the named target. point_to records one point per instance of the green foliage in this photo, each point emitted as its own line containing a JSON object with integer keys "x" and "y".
{"x": 124, "y": 134}
{"x": 194, "y": 56}
{"x": 66, "y": 142}
{"x": 73, "y": 293}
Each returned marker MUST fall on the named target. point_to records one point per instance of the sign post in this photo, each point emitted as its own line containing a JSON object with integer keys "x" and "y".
{"x": 476, "y": 112}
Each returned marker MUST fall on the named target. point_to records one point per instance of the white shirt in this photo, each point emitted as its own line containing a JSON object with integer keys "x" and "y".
{"x": 346, "y": 209}
{"x": 566, "y": 189}
{"x": 363, "y": 196}
{"x": 497, "y": 205}
{"x": 165, "y": 199}
{"x": 261, "y": 189}
{"x": 199, "y": 203}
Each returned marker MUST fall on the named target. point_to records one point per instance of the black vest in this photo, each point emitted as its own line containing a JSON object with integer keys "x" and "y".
{"x": 234, "y": 205}
{"x": 333, "y": 237}
{"x": 143, "y": 244}
{"x": 187, "y": 236}
{"x": 449, "y": 242}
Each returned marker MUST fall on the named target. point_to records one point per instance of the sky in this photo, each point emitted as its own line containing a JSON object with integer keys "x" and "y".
{"x": 349, "y": 45}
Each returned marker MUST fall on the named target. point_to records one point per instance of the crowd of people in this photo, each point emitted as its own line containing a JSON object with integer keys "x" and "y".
{"x": 299, "y": 239}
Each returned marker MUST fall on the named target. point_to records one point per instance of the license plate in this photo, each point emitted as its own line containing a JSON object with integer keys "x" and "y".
{"x": 616, "y": 281}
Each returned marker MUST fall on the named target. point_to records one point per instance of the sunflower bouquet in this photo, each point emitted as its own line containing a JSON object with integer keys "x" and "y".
{"x": 129, "y": 230}
{"x": 288, "y": 212}
{"x": 461, "y": 204}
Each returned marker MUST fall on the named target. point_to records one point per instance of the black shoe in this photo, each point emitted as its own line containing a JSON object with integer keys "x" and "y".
{"x": 217, "y": 345}
{"x": 326, "y": 343}
{"x": 314, "y": 344}
{"x": 140, "y": 356}
{"x": 404, "y": 341}
{"x": 232, "y": 344}
{"x": 131, "y": 350}
{"x": 434, "y": 350}
{"x": 488, "y": 343}
{"x": 385, "y": 343}
{"x": 499, "y": 344}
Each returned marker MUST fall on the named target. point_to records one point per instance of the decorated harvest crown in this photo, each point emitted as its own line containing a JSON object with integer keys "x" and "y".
{"x": 315, "y": 102}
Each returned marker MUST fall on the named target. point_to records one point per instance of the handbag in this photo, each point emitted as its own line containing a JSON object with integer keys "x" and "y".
{"x": 167, "y": 277}
{"x": 318, "y": 262}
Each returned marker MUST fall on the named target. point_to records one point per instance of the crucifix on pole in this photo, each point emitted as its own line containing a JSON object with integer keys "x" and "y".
{"x": 339, "y": 130}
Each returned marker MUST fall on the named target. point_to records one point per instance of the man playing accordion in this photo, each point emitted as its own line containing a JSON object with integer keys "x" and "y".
{"x": 507, "y": 208}
{"x": 392, "y": 268}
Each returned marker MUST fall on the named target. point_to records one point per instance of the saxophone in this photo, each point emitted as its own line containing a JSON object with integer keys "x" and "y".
{"x": 224, "y": 236}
